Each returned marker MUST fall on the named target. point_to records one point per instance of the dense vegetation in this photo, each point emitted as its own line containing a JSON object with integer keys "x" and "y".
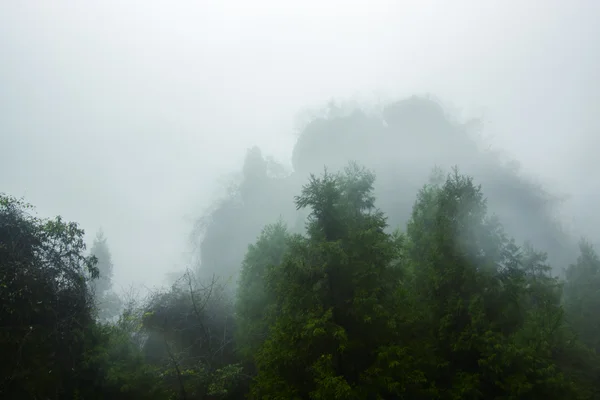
{"x": 431, "y": 296}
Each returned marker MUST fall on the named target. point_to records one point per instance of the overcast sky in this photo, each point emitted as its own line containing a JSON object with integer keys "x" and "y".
{"x": 125, "y": 114}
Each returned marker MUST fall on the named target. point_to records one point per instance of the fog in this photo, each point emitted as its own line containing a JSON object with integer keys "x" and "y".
{"x": 130, "y": 116}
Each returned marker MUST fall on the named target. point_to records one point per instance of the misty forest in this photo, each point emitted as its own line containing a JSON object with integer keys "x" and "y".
{"x": 399, "y": 258}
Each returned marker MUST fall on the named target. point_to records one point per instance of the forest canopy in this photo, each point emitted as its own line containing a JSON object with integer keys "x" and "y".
{"x": 398, "y": 260}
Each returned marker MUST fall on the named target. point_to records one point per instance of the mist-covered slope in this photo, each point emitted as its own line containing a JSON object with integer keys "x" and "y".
{"x": 402, "y": 142}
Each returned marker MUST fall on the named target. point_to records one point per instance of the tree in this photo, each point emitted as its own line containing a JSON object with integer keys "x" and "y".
{"x": 254, "y": 304}
{"x": 260, "y": 196}
{"x": 582, "y": 295}
{"x": 107, "y": 302}
{"x": 116, "y": 366}
{"x": 331, "y": 293}
{"x": 492, "y": 309}
{"x": 189, "y": 331}
{"x": 45, "y": 306}
{"x": 105, "y": 266}
{"x": 581, "y": 303}
{"x": 405, "y": 140}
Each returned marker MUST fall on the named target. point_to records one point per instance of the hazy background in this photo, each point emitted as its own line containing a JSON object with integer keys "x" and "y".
{"x": 126, "y": 115}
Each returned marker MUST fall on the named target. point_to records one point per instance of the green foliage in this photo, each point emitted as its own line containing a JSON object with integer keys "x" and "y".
{"x": 117, "y": 368}
{"x": 451, "y": 308}
{"x": 254, "y": 305}
{"x": 582, "y": 295}
{"x": 190, "y": 332}
{"x": 330, "y": 295}
{"x": 44, "y": 303}
{"x": 494, "y": 310}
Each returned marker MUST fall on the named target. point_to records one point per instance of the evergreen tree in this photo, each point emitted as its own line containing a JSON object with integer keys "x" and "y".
{"x": 107, "y": 302}
{"x": 492, "y": 309}
{"x": 254, "y": 305}
{"x": 104, "y": 264}
{"x": 331, "y": 295}
{"x": 582, "y": 296}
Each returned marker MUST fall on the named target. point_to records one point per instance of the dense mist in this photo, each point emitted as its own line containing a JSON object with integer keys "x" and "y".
{"x": 326, "y": 200}
{"x": 403, "y": 142}
{"x": 129, "y": 116}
